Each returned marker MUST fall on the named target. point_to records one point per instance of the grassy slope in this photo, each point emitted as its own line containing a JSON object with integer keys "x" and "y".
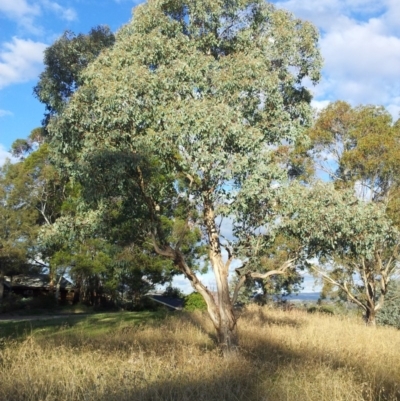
{"x": 284, "y": 356}
{"x": 59, "y": 326}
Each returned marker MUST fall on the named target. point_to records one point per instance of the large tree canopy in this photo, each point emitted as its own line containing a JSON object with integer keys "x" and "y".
{"x": 183, "y": 117}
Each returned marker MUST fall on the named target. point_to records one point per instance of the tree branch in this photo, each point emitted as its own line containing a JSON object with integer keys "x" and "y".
{"x": 238, "y": 286}
{"x": 281, "y": 270}
{"x": 169, "y": 252}
{"x": 343, "y": 286}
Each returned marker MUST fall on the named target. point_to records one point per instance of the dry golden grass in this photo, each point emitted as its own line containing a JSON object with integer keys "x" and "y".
{"x": 284, "y": 356}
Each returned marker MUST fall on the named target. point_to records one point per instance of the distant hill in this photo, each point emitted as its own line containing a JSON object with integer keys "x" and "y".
{"x": 304, "y": 296}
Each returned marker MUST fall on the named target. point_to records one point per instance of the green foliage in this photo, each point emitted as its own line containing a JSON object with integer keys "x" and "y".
{"x": 17, "y": 221}
{"x": 389, "y": 315}
{"x": 194, "y": 301}
{"x": 171, "y": 113}
{"x": 363, "y": 145}
{"x": 22, "y": 147}
{"x": 65, "y": 60}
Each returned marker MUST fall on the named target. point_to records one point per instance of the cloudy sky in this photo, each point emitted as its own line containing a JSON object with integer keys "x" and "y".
{"x": 360, "y": 42}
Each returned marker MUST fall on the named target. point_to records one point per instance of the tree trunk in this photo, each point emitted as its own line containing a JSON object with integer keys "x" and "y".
{"x": 226, "y": 329}
{"x": 51, "y": 283}
{"x": 227, "y": 322}
{"x": 220, "y": 308}
{"x": 57, "y": 294}
{"x": 370, "y": 317}
{"x": 370, "y": 314}
{"x": 1, "y": 286}
{"x": 227, "y": 336}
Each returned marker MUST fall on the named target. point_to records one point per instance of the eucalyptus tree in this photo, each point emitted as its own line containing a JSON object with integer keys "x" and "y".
{"x": 359, "y": 147}
{"x": 64, "y": 62}
{"x": 42, "y": 190}
{"x": 351, "y": 243}
{"x": 183, "y": 116}
{"x": 17, "y": 224}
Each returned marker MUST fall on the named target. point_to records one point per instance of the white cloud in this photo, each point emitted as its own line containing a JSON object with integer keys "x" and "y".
{"x": 394, "y": 108}
{"x": 68, "y": 14}
{"x": 4, "y": 155}
{"x": 362, "y": 64}
{"x": 333, "y": 14}
{"x": 4, "y": 113}
{"x": 25, "y": 13}
{"x": 182, "y": 283}
{"x": 319, "y": 104}
{"x": 360, "y": 42}
{"x": 22, "y": 12}
{"x": 20, "y": 61}
{"x": 17, "y": 9}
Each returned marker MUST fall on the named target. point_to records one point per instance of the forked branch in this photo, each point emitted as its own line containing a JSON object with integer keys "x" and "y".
{"x": 243, "y": 277}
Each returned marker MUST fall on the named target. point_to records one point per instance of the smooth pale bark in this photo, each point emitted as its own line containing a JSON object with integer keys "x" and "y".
{"x": 227, "y": 321}
{"x": 220, "y": 310}
{"x": 57, "y": 294}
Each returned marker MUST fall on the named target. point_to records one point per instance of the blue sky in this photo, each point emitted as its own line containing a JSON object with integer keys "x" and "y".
{"x": 360, "y": 42}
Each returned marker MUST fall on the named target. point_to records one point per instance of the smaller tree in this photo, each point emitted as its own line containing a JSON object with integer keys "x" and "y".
{"x": 269, "y": 266}
{"x": 355, "y": 243}
{"x": 359, "y": 148}
{"x": 17, "y": 225}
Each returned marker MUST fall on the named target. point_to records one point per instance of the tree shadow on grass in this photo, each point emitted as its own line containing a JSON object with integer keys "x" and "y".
{"x": 279, "y": 356}
{"x": 380, "y": 386}
{"x": 228, "y": 387}
{"x": 288, "y": 318}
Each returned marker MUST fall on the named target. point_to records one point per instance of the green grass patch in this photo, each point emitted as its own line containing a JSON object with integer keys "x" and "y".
{"x": 75, "y": 325}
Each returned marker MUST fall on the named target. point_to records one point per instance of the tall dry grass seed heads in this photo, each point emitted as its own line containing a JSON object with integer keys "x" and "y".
{"x": 284, "y": 356}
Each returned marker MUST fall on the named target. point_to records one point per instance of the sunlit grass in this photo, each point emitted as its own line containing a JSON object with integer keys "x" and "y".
{"x": 283, "y": 356}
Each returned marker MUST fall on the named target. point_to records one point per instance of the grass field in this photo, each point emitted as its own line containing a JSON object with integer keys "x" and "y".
{"x": 146, "y": 356}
